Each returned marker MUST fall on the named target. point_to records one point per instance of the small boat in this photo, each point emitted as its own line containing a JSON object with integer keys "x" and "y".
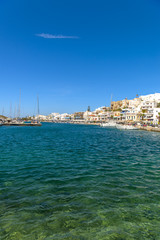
{"x": 109, "y": 124}
{"x": 126, "y": 127}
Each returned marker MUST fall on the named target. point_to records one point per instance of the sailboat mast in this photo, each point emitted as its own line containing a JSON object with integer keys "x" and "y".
{"x": 38, "y": 108}
{"x": 19, "y": 107}
{"x": 15, "y": 111}
{"x": 3, "y": 111}
{"x": 10, "y": 110}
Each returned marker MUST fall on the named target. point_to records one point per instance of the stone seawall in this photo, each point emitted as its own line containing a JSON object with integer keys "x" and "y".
{"x": 148, "y": 128}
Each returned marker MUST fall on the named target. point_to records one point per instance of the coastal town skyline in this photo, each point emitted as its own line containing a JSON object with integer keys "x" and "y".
{"x": 144, "y": 109}
{"x": 16, "y": 111}
{"x": 77, "y": 54}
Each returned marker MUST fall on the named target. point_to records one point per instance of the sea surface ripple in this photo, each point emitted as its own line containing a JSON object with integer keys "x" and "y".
{"x": 63, "y": 181}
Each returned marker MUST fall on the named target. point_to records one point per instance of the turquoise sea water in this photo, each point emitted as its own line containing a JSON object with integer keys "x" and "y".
{"x": 62, "y": 181}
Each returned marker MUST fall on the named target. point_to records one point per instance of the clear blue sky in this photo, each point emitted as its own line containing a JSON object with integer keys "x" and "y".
{"x": 114, "y": 48}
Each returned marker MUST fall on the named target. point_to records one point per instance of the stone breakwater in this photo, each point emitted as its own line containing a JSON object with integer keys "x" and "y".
{"x": 145, "y": 128}
{"x": 149, "y": 128}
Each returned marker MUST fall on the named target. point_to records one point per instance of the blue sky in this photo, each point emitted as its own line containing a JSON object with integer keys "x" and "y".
{"x": 77, "y": 53}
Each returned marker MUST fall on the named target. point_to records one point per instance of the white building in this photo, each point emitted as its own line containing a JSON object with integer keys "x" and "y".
{"x": 148, "y": 104}
{"x": 86, "y": 115}
{"x": 156, "y": 113}
{"x": 151, "y": 97}
{"x": 152, "y": 115}
{"x": 41, "y": 117}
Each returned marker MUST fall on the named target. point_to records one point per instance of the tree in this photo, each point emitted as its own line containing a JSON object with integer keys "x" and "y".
{"x": 88, "y": 109}
{"x": 158, "y": 105}
{"x": 142, "y": 116}
{"x": 158, "y": 118}
{"x": 144, "y": 110}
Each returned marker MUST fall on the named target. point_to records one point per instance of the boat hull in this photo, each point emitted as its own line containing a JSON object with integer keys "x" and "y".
{"x": 126, "y": 127}
{"x": 23, "y": 124}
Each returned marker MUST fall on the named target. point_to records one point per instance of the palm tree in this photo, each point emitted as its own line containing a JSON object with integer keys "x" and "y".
{"x": 142, "y": 116}
{"x": 158, "y": 105}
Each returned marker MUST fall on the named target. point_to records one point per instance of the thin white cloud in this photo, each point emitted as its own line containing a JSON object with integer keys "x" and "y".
{"x": 50, "y": 36}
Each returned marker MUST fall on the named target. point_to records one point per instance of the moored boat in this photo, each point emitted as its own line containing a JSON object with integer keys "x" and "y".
{"x": 23, "y": 124}
{"x": 109, "y": 124}
{"x": 126, "y": 127}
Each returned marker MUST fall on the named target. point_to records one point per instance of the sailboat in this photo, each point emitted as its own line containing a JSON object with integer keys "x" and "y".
{"x": 21, "y": 123}
{"x": 37, "y": 122}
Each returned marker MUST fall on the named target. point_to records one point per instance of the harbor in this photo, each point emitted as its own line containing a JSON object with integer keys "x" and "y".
{"x": 118, "y": 125}
{"x": 72, "y": 178}
{"x": 142, "y": 112}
